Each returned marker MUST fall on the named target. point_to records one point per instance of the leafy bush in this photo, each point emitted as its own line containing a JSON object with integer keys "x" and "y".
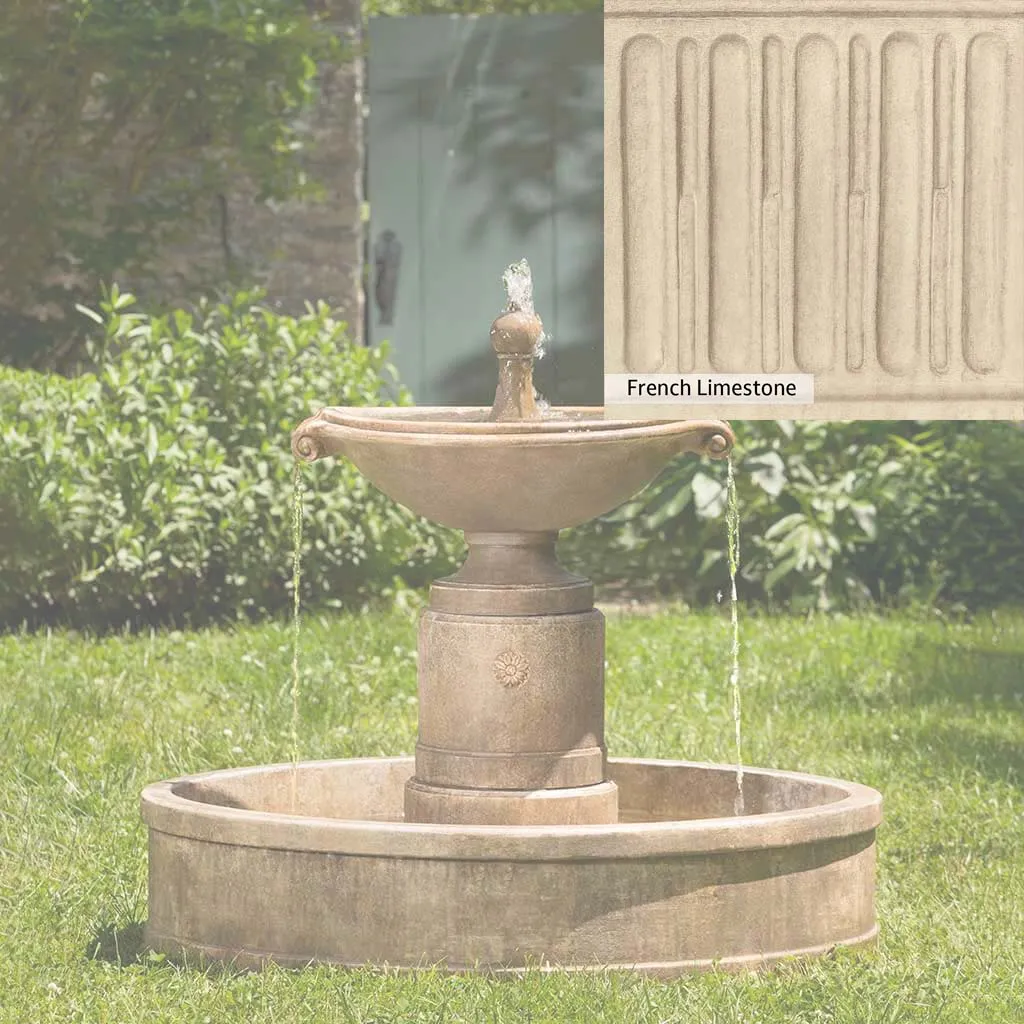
{"x": 159, "y": 486}
{"x": 833, "y": 514}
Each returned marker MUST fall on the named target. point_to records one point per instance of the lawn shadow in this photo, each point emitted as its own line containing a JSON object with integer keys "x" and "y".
{"x": 928, "y": 673}
{"x": 941, "y": 673}
{"x": 973, "y": 683}
{"x": 954, "y": 705}
{"x": 964, "y": 744}
{"x": 123, "y": 945}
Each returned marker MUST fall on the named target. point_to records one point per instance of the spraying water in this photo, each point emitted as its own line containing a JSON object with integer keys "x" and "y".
{"x": 297, "y": 517}
{"x": 518, "y": 283}
{"x": 732, "y": 523}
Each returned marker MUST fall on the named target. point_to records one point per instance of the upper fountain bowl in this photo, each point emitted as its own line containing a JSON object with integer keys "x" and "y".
{"x": 460, "y": 468}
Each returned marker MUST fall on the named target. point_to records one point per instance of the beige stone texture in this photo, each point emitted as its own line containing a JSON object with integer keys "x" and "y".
{"x": 570, "y": 805}
{"x": 524, "y": 685}
{"x": 455, "y": 467}
{"x": 831, "y": 187}
{"x": 315, "y": 864}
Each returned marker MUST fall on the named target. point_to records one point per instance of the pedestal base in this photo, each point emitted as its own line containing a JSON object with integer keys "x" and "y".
{"x": 582, "y": 805}
{"x": 511, "y": 693}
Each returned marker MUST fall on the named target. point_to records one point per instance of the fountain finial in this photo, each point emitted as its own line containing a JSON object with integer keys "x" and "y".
{"x": 516, "y": 337}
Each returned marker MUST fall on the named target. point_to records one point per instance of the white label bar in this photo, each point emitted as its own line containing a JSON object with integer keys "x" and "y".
{"x": 709, "y": 388}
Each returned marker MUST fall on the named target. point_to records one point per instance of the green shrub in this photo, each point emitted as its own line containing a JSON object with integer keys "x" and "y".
{"x": 158, "y": 487}
{"x": 833, "y": 514}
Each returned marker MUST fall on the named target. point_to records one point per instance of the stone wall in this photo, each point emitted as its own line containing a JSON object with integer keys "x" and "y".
{"x": 299, "y": 251}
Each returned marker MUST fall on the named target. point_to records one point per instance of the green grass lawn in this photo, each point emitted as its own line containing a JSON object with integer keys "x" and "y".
{"x": 929, "y": 711}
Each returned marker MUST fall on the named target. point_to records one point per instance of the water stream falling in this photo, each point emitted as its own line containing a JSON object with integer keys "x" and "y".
{"x": 732, "y": 523}
{"x": 297, "y": 517}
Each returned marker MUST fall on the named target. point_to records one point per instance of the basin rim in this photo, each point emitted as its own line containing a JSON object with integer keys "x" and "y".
{"x": 165, "y": 810}
{"x": 451, "y": 425}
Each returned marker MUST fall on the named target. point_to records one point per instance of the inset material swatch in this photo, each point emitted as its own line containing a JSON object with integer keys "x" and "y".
{"x": 830, "y": 188}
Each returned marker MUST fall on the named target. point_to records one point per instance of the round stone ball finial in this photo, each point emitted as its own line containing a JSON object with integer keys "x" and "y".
{"x": 718, "y": 446}
{"x": 516, "y": 334}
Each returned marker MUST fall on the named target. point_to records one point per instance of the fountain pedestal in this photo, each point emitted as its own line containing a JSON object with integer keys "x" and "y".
{"x": 511, "y": 693}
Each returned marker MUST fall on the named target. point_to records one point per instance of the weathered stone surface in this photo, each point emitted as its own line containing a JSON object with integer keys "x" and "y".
{"x": 511, "y": 703}
{"x": 252, "y": 865}
{"x": 456, "y": 468}
{"x": 595, "y": 804}
{"x": 503, "y": 684}
{"x": 832, "y": 187}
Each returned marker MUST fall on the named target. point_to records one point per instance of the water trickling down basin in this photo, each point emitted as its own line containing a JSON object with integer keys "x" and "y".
{"x": 511, "y": 838}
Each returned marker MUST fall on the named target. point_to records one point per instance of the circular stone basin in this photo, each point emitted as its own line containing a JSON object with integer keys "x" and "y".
{"x": 456, "y": 467}
{"x": 314, "y": 864}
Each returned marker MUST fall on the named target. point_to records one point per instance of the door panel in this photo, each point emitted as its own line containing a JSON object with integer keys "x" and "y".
{"x": 485, "y": 144}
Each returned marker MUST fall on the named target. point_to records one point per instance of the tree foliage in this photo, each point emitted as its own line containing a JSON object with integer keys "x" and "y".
{"x": 118, "y": 117}
{"x": 400, "y": 7}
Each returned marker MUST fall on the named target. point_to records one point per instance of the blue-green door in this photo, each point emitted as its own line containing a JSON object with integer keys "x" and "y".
{"x": 485, "y": 145}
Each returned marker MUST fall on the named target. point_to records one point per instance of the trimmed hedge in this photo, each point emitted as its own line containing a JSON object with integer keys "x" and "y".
{"x": 158, "y": 487}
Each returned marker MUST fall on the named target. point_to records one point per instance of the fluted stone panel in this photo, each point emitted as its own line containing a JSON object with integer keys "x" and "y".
{"x": 829, "y": 189}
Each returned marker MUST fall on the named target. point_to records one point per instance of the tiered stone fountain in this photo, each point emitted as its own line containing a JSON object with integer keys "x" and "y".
{"x": 510, "y": 839}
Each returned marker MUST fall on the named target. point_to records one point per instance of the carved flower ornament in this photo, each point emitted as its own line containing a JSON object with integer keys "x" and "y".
{"x": 511, "y": 669}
